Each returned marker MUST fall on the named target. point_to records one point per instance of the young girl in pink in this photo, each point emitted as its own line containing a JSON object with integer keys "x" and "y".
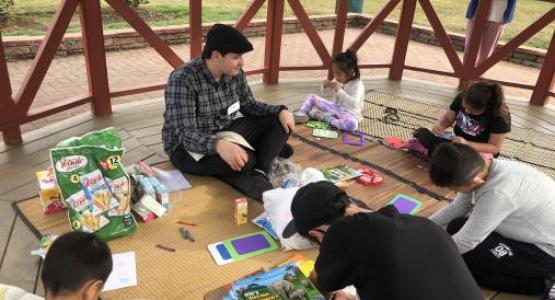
{"x": 345, "y": 111}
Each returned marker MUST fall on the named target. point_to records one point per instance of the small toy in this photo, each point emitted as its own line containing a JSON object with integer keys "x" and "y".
{"x": 324, "y": 133}
{"x": 370, "y": 177}
{"x": 186, "y": 234}
{"x": 360, "y": 138}
{"x": 391, "y": 115}
{"x": 394, "y": 142}
{"x": 405, "y": 204}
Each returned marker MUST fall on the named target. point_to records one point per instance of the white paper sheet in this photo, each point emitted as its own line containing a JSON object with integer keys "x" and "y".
{"x": 124, "y": 272}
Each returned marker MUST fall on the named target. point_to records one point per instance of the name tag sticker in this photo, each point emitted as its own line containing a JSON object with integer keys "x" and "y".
{"x": 233, "y": 108}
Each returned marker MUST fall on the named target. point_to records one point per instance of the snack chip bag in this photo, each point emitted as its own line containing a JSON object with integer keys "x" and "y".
{"x": 94, "y": 184}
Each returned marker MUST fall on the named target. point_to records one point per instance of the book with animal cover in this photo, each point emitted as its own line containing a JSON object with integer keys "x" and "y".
{"x": 340, "y": 173}
{"x": 283, "y": 282}
{"x": 231, "y": 136}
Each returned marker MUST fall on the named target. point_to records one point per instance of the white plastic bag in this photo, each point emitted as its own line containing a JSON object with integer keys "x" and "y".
{"x": 277, "y": 204}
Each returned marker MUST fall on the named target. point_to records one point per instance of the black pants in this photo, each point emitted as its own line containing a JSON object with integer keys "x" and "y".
{"x": 265, "y": 134}
{"x": 428, "y": 139}
{"x": 507, "y": 265}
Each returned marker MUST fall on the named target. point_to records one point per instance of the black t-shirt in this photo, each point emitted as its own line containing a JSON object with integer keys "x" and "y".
{"x": 477, "y": 128}
{"x": 390, "y": 256}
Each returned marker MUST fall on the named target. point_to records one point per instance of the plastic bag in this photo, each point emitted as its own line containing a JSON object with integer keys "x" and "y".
{"x": 283, "y": 173}
{"x": 94, "y": 185}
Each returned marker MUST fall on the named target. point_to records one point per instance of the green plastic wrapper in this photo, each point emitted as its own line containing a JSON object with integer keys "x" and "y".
{"x": 94, "y": 184}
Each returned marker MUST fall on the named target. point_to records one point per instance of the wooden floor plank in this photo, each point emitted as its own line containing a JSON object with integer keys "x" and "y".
{"x": 7, "y": 221}
{"x": 19, "y": 268}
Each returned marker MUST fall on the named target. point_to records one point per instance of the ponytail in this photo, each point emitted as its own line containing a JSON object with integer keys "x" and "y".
{"x": 488, "y": 97}
{"x": 348, "y": 62}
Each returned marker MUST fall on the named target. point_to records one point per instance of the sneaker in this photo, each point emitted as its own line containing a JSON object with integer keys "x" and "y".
{"x": 415, "y": 145}
{"x": 300, "y": 117}
{"x": 286, "y": 152}
{"x": 251, "y": 184}
{"x": 549, "y": 293}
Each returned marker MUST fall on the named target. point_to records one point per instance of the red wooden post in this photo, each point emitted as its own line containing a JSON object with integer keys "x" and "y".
{"x": 475, "y": 36}
{"x": 248, "y": 14}
{"x": 546, "y": 79}
{"x": 339, "y": 35}
{"x": 274, "y": 26}
{"x": 11, "y": 134}
{"x": 95, "y": 57}
{"x": 402, "y": 40}
{"x": 195, "y": 27}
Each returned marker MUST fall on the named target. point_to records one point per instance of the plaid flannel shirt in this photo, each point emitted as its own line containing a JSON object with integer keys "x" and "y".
{"x": 196, "y": 107}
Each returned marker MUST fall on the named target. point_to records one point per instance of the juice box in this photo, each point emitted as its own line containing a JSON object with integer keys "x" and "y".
{"x": 49, "y": 193}
{"x": 241, "y": 214}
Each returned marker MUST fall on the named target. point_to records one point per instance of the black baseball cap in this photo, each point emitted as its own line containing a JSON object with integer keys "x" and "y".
{"x": 310, "y": 207}
{"x": 225, "y": 38}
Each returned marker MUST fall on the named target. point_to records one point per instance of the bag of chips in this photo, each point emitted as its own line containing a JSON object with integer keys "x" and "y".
{"x": 94, "y": 184}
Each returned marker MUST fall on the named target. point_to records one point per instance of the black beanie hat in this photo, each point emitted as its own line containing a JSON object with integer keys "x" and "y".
{"x": 225, "y": 39}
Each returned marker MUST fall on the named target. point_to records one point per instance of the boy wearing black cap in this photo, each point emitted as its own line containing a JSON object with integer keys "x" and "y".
{"x": 210, "y": 94}
{"x": 502, "y": 219}
{"x": 385, "y": 255}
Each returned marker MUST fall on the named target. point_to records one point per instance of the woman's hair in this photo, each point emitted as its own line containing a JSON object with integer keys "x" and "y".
{"x": 488, "y": 97}
{"x": 347, "y": 62}
{"x": 454, "y": 165}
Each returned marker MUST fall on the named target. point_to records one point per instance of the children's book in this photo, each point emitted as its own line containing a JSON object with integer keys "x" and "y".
{"x": 283, "y": 282}
{"x": 263, "y": 222}
{"x": 231, "y": 136}
{"x": 340, "y": 173}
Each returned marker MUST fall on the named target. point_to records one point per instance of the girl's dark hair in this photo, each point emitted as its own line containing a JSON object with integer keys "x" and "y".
{"x": 488, "y": 97}
{"x": 348, "y": 62}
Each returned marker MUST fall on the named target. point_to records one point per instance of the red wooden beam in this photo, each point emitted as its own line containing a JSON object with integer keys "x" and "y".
{"x": 257, "y": 71}
{"x": 442, "y": 36}
{"x": 47, "y": 110}
{"x": 339, "y": 35}
{"x": 43, "y": 58}
{"x": 7, "y": 106}
{"x": 274, "y": 28}
{"x": 373, "y": 25}
{"x": 95, "y": 57}
{"x": 513, "y": 44}
{"x": 374, "y": 66}
{"x": 247, "y": 16}
{"x": 546, "y": 79}
{"x": 310, "y": 31}
{"x": 402, "y": 40}
{"x": 475, "y": 36}
{"x": 137, "y": 90}
{"x": 431, "y": 71}
{"x": 302, "y": 68}
{"x": 144, "y": 30}
{"x": 195, "y": 27}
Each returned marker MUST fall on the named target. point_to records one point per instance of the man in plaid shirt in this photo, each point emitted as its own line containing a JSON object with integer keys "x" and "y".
{"x": 210, "y": 94}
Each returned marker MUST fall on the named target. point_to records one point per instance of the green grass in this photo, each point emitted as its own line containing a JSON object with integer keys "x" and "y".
{"x": 37, "y": 13}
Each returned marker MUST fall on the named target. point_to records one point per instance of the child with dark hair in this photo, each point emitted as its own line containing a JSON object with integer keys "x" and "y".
{"x": 481, "y": 119}
{"x": 76, "y": 267}
{"x": 344, "y": 112}
{"x": 502, "y": 218}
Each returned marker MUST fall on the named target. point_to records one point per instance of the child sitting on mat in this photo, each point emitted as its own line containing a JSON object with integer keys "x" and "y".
{"x": 344, "y": 112}
{"x": 76, "y": 267}
{"x": 481, "y": 119}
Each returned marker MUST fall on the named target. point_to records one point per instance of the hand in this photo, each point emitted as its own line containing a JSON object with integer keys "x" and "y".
{"x": 341, "y": 295}
{"x": 235, "y": 156}
{"x": 287, "y": 121}
{"x": 338, "y": 86}
{"x": 438, "y": 129}
{"x": 459, "y": 140}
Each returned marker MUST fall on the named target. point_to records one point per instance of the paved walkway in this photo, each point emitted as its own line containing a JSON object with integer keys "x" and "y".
{"x": 66, "y": 76}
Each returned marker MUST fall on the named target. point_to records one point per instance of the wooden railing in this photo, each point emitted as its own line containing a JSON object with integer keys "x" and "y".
{"x": 15, "y": 108}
